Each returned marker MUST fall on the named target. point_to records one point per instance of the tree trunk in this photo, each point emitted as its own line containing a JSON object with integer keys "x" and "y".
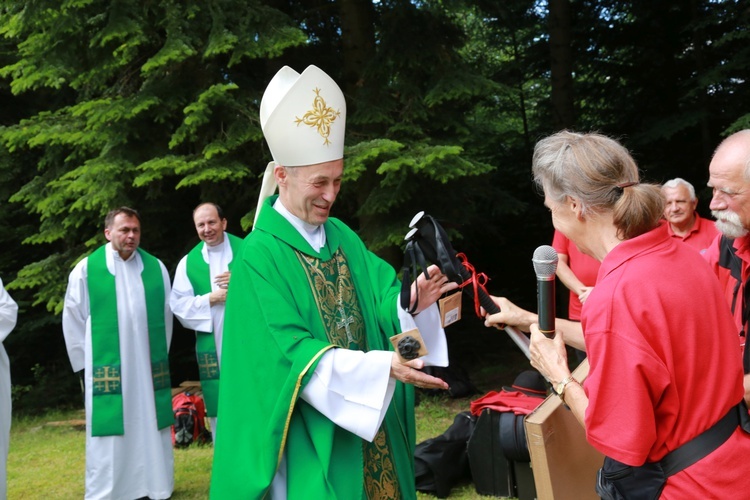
{"x": 561, "y": 63}
{"x": 358, "y": 44}
{"x": 357, "y": 40}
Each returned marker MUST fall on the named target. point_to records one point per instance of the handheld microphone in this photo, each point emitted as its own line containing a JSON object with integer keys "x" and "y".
{"x": 545, "y": 266}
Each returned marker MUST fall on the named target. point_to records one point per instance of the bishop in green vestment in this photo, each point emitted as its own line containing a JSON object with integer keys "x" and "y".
{"x": 312, "y": 398}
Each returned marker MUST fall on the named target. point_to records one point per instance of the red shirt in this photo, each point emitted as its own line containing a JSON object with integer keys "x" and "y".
{"x": 664, "y": 367}
{"x": 584, "y": 267}
{"x": 700, "y": 236}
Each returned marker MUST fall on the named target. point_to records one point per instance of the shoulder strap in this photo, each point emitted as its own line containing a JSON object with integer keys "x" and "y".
{"x": 728, "y": 260}
{"x": 413, "y": 262}
{"x": 703, "y": 444}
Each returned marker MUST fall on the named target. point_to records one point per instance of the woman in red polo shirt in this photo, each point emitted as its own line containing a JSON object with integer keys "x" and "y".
{"x": 661, "y": 341}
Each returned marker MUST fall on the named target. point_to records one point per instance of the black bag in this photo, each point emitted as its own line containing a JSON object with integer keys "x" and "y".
{"x": 499, "y": 457}
{"x": 617, "y": 481}
{"x": 442, "y": 462}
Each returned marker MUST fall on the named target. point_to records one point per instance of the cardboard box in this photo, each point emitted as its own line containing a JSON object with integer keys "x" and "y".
{"x": 563, "y": 462}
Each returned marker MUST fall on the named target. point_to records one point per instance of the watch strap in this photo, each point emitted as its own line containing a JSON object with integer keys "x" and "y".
{"x": 563, "y": 385}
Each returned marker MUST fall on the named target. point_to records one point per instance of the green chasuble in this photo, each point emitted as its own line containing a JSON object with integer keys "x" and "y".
{"x": 288, "y": 305}
{"x": 199, "y": 275}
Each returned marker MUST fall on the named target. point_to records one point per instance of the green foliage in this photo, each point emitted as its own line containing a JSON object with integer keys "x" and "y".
{"x": 142, "y": 94}
{"x": 199, "y": 112}
{"x": 50, "y": 389}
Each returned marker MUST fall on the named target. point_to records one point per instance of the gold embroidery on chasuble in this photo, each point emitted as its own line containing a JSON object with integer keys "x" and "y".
{"x": 333, "y": 289}
{"x": 381, "y": 481}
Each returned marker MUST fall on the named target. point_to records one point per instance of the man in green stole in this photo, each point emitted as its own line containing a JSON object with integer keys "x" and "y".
{"x": 118, "y": 327}
{"x": 199, "y": 292}
{"x": 314, "y": 403}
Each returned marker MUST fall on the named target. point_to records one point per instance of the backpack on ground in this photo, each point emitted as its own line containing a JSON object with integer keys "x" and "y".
{"x": 189, "y": 420}
{"x": 440, "y": 463}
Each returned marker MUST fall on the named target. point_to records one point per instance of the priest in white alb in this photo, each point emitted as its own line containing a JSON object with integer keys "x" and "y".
{"x": 8, "y": 316}
{"x": 314, "y": 402}
{"x": 199, "y": 292}
{"x": 118, "y": 327}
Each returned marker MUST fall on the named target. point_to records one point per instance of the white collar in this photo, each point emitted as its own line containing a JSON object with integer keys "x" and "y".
{"x": 314, "y": 235}
{"x": 222, "y": 247}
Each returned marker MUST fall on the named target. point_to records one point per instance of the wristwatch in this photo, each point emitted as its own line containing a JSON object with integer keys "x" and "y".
{"x": 560, "y": 388}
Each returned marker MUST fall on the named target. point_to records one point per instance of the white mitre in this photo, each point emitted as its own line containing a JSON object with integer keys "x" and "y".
{"x": 303, "y": 118}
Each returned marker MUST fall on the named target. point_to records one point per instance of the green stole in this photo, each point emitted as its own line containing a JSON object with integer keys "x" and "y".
{"x": 199, "y": 275}
{"x": 106, "y": 413}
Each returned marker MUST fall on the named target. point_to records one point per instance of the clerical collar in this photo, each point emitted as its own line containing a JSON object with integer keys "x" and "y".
{"x": 116, "y": 255}
{"x": 216, "y": 248}
{"x": 314, "y": 235}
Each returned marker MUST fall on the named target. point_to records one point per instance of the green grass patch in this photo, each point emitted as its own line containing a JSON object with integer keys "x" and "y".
{"x": 47, "y": 454}
{"x": 47, "y": 459}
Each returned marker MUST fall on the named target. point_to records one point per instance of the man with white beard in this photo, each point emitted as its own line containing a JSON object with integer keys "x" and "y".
{"x": 729, "y": 255}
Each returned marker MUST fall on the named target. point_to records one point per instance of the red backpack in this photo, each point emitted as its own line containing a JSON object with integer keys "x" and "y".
{"x": 189, "y": 420}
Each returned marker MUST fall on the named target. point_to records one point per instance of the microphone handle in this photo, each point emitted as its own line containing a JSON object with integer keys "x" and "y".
{"x": 546, "y": 307}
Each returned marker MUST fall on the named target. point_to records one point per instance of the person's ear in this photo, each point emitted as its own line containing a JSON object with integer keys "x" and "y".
{"x": 281, "y": 174}
{"x": 576, "y": 206}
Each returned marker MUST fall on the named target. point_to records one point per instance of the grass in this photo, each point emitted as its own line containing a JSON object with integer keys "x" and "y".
{"x": 48, "y": 461}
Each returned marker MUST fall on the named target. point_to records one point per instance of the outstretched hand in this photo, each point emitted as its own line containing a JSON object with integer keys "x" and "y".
{"x": 431, "y": 289}
{"x": 510, "y": 314}
{"x": 409, "y": 373}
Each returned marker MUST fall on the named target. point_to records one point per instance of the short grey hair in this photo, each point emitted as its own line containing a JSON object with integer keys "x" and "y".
{"x": 677, "y": 182}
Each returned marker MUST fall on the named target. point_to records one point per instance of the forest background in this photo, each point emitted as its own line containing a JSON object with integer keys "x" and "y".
{"x": 154, "y": 105}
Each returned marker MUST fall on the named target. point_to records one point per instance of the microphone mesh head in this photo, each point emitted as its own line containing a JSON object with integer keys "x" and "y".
{"x": 545, "y": 262}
